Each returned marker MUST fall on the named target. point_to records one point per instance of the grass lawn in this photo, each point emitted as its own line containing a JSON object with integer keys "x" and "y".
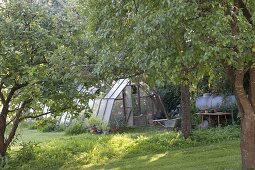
{"x": 134, "y": 149}
{"x": 26, "y": 135}
{"x": 220, "y": 156}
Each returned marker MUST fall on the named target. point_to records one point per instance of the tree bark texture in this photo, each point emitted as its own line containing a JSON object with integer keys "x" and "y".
{"x": 246, "y": 104}
{"x": 185, "y": 109}
{"x": 2, "y": 139}
{"x": 5, "y": 141}
{"x": 247, "y": 119}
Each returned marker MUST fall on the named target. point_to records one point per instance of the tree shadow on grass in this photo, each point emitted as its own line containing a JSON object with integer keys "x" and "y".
{"x": 217, "y": 156}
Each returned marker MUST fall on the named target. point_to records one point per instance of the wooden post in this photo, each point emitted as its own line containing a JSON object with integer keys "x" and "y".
{"x": 124, "y": 103}
{"x": 138, "y": 98}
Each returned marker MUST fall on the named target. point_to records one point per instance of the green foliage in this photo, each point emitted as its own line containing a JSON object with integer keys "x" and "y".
{"x": 97, "y": 124}
{"x": 215, "y": 135}
{"x": 43, "y": 64}
{"x": 170, "y": 96}
{"x": 94, "y": 121}
{"x": 104, "y": 127}
{"x": 87, "y": 149}
{"x": 26, "y": 152}
{"x": 145, "y": 37}
{"x": 25, "y": 124}
{"x": 60, "y": 128}
{"x": 45, "y": 124}
{"x": 167, "y": 141}
{"x": 76, "y": 128}
{"x": 4, "y": 162}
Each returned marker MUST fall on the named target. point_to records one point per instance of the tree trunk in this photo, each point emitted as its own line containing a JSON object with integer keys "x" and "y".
{"x": 247, "y": 120}
{"x": 185, "y": 110}
{"x": 3, "y": 147}
{"x": 5, "y": 142}
{"x": 246, "y": 105}
{"x": 247, "y": 141}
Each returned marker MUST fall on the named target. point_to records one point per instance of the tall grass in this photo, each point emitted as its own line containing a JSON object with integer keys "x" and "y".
{"x": 87, "y": 149}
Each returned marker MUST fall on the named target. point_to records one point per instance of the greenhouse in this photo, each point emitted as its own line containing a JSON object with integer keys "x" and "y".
{"x": 127, "y": 103}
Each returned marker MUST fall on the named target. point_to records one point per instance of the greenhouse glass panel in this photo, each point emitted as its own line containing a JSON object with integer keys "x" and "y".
{"x": 96, "y": 106}
{"x": 114, "y": 88}
{"x": 120, "y": 89}
{"x": 102, "y": 108}
{"x": 108, "y": 110}
{"x": 91, "y": 103}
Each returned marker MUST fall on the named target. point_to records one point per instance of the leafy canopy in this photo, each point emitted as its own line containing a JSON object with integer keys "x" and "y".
{"x": 42, "y": 59}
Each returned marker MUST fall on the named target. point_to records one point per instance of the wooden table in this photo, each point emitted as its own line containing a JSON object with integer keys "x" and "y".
{"x": 218, "y": 114}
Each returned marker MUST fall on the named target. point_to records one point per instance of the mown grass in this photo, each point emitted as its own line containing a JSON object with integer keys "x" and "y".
{"x": 218, "y": 156}
{"x": 26, "y": 135}
{"x": 142, "y": 148}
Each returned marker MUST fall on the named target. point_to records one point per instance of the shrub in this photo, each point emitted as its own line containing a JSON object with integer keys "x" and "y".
{"x": 76, "y": 128}
{"x": 4, "y": 162}
{"x": 94, "y": 121}
{"x": 215, "y": 134}
{"x": 27, "y": 152}
{"x": 45, "y": 124}
{"x": 93, "y": 149}
{"x": 97, "y": 126}
{"x": 60, "y": 128}
{"x": 26, "y": 124}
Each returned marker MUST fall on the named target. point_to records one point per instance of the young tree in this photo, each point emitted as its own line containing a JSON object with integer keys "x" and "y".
{"x": 42, "y": 64}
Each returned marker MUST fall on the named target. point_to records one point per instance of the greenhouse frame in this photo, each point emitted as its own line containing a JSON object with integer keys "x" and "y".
{"x": 127, "y": 104}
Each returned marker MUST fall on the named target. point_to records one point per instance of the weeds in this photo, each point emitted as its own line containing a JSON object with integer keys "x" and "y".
{"x": 92, "y": 149}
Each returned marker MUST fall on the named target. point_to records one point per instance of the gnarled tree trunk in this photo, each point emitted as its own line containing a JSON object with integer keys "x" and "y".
{"x": 247, "y": 118}
{"x": 246, "y": 104}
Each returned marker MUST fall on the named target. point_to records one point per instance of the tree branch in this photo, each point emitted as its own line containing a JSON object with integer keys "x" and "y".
{"x": 16, "y": 122}
{"x": 132, "y": 75}
{"x": 240, "y": 92}
{"x": 14, "y": 110}
{"x": 188, "y": 69}
{"x": 252, "y": 87}
{"x": 7, "y": 124}
{"x": 2, "y": 98}
{"x": 230, "y": 72}
{"x": 13, "y": 90}
{"x": 246, "y": 12}
{"x": 35, "y": 116}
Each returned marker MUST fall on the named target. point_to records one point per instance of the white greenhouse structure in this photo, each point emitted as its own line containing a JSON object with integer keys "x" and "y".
{"x": 127, "y": 103}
